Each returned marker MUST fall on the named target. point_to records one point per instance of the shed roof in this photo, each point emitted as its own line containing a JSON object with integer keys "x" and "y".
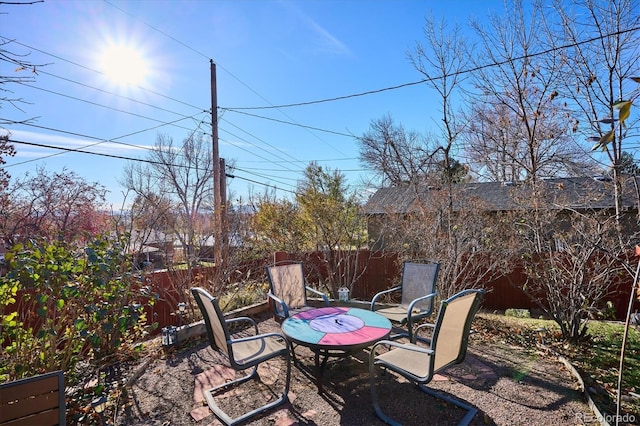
{"x": 575, "y": 192}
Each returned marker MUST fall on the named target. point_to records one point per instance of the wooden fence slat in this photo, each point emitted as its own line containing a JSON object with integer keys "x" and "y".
{"x": 38, "y": 400}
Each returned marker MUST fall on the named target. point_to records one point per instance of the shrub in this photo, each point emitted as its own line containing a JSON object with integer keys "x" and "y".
{"x": 61, "y": 303}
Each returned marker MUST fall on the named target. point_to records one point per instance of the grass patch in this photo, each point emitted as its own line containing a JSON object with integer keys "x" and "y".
{"x": 518, "y": 313}
{"x": 597, "y": 358}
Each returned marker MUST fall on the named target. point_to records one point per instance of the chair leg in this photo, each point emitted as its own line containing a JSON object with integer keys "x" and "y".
{"x": 224, "y": 417}
{"x": 374, "y": 398}
{"x": 471, "y": 411}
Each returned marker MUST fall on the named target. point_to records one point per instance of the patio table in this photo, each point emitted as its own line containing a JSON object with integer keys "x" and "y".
{"x": 335, "y": 332}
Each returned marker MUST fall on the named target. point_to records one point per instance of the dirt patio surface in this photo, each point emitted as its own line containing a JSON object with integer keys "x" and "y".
{"x": 507, "y": 384}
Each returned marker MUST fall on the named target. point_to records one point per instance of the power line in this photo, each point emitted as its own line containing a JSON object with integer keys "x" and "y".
{"x": 97, "y": 104}
{"x": 261, "y": 140}
{"x": 124, "y": 97}
{"x": 120, "y": 157}
{"x": 121, "y": 96}
{"x": 265, "y": 176}
{"x": 261, "y": 183}
{"x": 41, "y": 145}
{"x": 291, "y": 123}
{"x": 96, "y": 71}
{"x": 432, "y": 79}
{"x": 306, "y": 161}
{"x": 207, "y": 57}
{"x": 100, "y": 140}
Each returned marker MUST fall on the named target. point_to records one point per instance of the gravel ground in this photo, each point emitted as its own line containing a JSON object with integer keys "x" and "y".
{"x": 508, "y": 385}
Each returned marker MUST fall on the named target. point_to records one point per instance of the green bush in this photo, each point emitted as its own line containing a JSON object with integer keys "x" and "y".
{"x": 75, "y": 303}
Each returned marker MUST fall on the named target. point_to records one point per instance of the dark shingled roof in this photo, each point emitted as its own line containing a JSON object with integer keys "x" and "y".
{"x": 576, "y": 192}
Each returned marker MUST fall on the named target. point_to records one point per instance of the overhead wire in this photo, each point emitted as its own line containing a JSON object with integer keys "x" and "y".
{"x": 53, "y": 55}
{"x": 100, "y": 140}
{"x": 210, "y": 58}
{"x": 127, "y": 98}
{"x": 271, "y": 106}
{"x": 121, "y": 157}
{"x": 290, "y": 123}
{"x": 266, "y": 176}
{"x": 97, "y": 104}
{"x": 261, "y": 140}
{"x": 432, "y": 79}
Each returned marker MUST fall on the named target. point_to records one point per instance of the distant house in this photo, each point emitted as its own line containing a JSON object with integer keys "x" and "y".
{"x": 583, "y": 194}
{"x": 151, "y": 248}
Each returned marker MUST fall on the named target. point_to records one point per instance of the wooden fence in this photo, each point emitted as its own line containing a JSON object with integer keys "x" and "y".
{"x": 380, "y": 270}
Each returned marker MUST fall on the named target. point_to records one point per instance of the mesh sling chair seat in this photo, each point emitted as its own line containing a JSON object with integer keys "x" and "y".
{"x": 418, "y": 288}
{"x": 242, "y": 353}
{"x": 418, "y": 364}
{"x": 288, "y": 289}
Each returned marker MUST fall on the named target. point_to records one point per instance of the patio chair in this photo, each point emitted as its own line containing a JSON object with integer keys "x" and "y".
{"x": 288, "y": 290}
{"x": 34, "y": 400}
{"x": 418, "y": 287}
{"x": 242, "y": 353}
{"x": 418, "y": 364}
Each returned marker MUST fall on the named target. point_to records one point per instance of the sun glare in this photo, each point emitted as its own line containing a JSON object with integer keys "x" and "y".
{"x": 123, "y": 65}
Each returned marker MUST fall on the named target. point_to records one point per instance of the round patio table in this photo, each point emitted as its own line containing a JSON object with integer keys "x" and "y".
{"x": 335, "y": 332}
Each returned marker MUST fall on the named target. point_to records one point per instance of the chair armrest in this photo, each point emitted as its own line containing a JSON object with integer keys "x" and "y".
{"x": 373, "y": 301}
{"x": 261, "y": 336}
{"x": 420, "y": 327}
{"x": 414, "y": 301}
{"x": 399, "y": 345}
{"x": 231, "y": 321}
{"x": 319, "y": 293}
{"x": 280, "y": 302}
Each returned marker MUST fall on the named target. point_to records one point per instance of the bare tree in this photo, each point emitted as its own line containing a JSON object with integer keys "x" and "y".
{"x": 24, "y": 71}
{"x": 471, "y": 243}
{"x": 517, "y": 118}
{"x": 567, "y": 258}
{"x": 6, "y": 150}
{"x": 497, "y": 148}
{"x": 603, "y": 56}
{"x": 441, "y": 60}
{"x": 183, "y": 176}
{"x": 397, "y": 156}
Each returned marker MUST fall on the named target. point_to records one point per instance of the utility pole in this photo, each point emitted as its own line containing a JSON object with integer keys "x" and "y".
{"x": 217, "y": 198}
{"x": 223, "y": 208}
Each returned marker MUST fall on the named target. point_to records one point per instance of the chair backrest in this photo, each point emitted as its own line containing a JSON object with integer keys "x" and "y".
{"x": 419, "y": 279}
{"x": 34, "y": 400}
{"x": 213, "y": 319}
{"x": 453, "y": 325}
{"x": 288, "y": 284}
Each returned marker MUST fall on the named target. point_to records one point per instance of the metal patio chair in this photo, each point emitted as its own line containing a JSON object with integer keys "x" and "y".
{"x": 418, "y": 364}
{"x": 288, "y": 289}
{"x": 243, "y": 353}
{"x": 418, "y": 288}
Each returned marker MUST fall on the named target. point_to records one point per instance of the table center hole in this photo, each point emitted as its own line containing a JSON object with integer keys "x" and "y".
{"x": 336, "y": 323}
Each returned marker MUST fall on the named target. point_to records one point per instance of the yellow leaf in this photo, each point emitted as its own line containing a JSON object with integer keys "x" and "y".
{"x": 604, "y": 140}
{"x": 625, "y": 111}
{"x": 620, "y": 104}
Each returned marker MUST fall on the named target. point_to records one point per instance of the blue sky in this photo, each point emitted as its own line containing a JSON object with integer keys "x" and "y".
{"x": 267, "y": 53}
